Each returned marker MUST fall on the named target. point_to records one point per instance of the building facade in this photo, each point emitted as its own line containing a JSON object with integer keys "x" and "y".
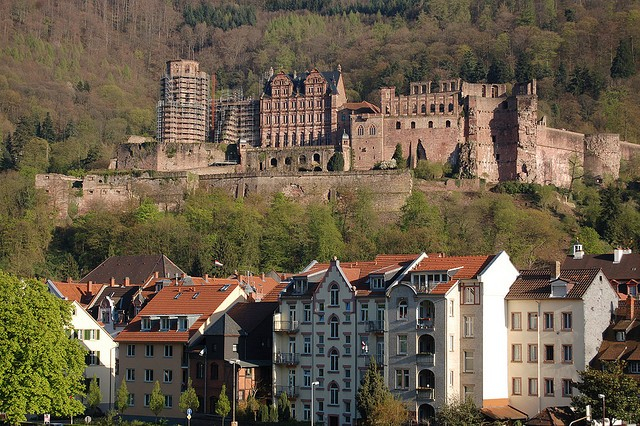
{"x": 184, "y": 109}
{"x": 556, "y": 321}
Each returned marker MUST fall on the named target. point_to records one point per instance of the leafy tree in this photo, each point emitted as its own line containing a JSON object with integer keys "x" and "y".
{"x": 620, "y": 391}
{"x": 372, "y": 393}
{"x": 336, "y": 163}
{"x": 94, "y": 396}
{"x": 457, "y": 412}
{"x": 189, "y": 398}
{"x": 623, "y": 65}
{"x": 324, "y": 238}
{"x": 223, "y": 407}
{"x": 122, "y": 397}
{"x": 284, "y": 407}
{"x": 156, "y": 401}
{"x": 45, "y": 375}
{"x": 399, "y": 157}
{"x": 253, "y": 406}
{"x": 392, "y": 411}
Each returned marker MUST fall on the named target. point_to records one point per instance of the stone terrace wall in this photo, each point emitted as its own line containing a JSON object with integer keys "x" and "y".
{"x": 602, "y": 154}
{"x": 628, "y": 150}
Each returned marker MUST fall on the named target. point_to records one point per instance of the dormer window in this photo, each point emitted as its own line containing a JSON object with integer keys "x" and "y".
{"x": 146, "y": 324}
{"x": 377, "y": 283}
{"x": 164, "y": 323}
{"x": 621, "y": 336}
{"x": 183, "y": 324}
{"x": 559, "y": 288}
{"x": 299, "y": 286}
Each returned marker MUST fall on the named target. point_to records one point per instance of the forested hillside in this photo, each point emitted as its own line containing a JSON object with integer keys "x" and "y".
{"x": 78, "y": 76}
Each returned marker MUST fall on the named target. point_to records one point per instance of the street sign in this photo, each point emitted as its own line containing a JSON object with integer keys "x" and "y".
{"x": 87, "y": 419}
{"x": 189, "y": 411}
{"x": 47, "y": 418}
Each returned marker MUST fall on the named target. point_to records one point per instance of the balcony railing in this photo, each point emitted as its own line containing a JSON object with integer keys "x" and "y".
{"x": 286, "y": 358}
{"x": 425, "y": 394}
{"x": 425, "y": 324}
{"x": 286, "y": 326}
{"x": 375, "y": 326}
{"x": 291, "y": 391}
{"x": 378, "y": 357}
{"x": 426, "y": 359}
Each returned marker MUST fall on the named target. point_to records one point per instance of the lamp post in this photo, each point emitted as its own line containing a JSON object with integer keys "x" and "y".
{"x": 602, "y": 397}
{"x": 313, "y": 385}
{"x": 233, "y": 362}
{"x": 203, "y": 352}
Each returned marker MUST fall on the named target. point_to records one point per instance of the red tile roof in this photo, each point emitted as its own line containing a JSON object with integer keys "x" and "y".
{"x": 536, "y": 284}
{"x": 470, "y": 266}
{"x": 202, "y": 300}
{"x": 274, "y": 294}
{"x": 78, "y": 291}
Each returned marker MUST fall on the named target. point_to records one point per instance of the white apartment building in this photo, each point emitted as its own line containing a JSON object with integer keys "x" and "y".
{"x": 556, "y": 320}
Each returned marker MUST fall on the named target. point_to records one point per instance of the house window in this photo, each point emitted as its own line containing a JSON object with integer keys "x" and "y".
{"x": 183, "y": 324}
{"x": 93, "y": 358}
{"x": 451, "y": 340}
{"x": 451, "y": 308}
{"x": 164, "y": 323}
{"x": 548, "y": 387}
{"x": 567, "y": 387}
{"x": 199, "y": 370}
{"x": 306, "y": 378}
{"x": 548, "y": 320}
{"x": 333, "y": 391}
{"x": 320, "y": 372}
{"x": 167, "y": 376}
{"x": 468, "y": 361}
{"x": 516, "y": 321}
{"x": 620, "y": 336}
{"x": 548, "y": 353}
{"x": 306, "y": 412}
{"x": 360, "y": 131}
{"x": 516, "y": 386}
{"x": 168, "y": 351}
{"x": 306, "y": 346}
{"x": 148, "y": 375}
{"x": 148, "y": 350}
{"x": 634, "y": 367}
{"x": 333, "y": 324}
{"x": 532, "y": 321}
{"x": 364, "y": 312}
{"x": 467, "y": 390}
{"x": 168, "y": 401}
{"x": 307, "y": 312}
{"x": 334, "y": 292}
{"x": 146, "y": 324}
{"x": 402, "y": 379}
{"x": 131, "y": 375}
{"x": 471, "y": 295}
{"x": 131, "y": 350}
{"x": 402, "y": 345}
{"x": 567, "y": 353}
{"x": 567, "y": 321}
{"x": 214, "y": 371}
{"x": 131, "y": 400}
{"x": 147, "y": 399}
{"x": 402, "y": 309}
{"x": 516, "y": 352}
{"x": 533, "y": 353}
{"x": 377, "y": 283}
{"x": 468, "y": 326}
{"x": 333, "y": 360}
{"x": 533, "y": 387}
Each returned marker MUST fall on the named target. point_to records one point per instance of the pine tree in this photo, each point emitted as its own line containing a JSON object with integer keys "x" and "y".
{"x": 398, "y": 156}
{"x": 223, "y": 407}
{"x": 122, "y": 397}
{"x": 189, "y": 398}
{"x": 623, "y": 65}
{"x": 284, "y": 407}
{"x": 94, "y": 397}
{"x": 372, "y": 393}
{"x": 46, "y": 130}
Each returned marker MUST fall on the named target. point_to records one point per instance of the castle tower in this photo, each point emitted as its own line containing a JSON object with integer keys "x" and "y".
{"x": 184, "y": 108}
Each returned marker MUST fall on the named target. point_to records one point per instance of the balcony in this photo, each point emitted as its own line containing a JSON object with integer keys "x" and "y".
{"x": 286, "y": 358}
{"x": 425, "y": 324}
{"x": 292, "y": 392}
{"x": 286, "y": 326}
{"x": 425, "y": 394}
{"x": 426, "y": 359}
{"x": 378, "y": 357}
{"x": 375, "y": 326}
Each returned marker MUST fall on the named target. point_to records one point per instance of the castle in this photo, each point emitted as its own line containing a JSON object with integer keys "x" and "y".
{"x": 302, "y": 120}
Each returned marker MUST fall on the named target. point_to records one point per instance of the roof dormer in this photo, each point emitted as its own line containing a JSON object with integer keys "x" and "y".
{"x": 376, "y": 282}
{"x": 560, "y": 288}
{"x": 299, "y": 285}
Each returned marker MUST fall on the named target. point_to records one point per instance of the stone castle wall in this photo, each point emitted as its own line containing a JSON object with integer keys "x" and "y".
{"x": 169, "y": 157}
{"x": 286, "y": 160}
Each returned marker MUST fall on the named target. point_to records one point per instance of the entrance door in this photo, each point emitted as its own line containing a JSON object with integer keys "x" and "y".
{"x": 334, "y": 420}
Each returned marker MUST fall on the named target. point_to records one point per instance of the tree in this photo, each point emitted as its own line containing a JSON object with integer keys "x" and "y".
{"x": 372, "y": 393}
{"x": 94, "y": 396}
{"x": 392, "y": 410}
{"x": 620, "y": 391}
{"x": 399, "y": 157}
{"x": 623, "y": 65}
{"x": 46, "y": 130}
{"x": 253, "y": 406}
{"x": 156, "y": 402}
{"x": 122, "y": 397}
{"x": 189, "y": 398}
{"x": 45, "y": 375}
{"x": 336, "y": 163}
{"x": 499, "y": 72}
{"x": 223, "y": 407}
{"x": 284, "y": 407}
{"x": 457, "y": 412}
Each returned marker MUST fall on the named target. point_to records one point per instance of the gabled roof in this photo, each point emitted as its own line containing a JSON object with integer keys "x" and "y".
{"x": 121, "y": 296}
{"x": 627, "y": 269}
{"x": 458, "y": 267}
{"x": 536, "y": 284}
{"x": 298, "y": 79}
{"x": 552, "y": 416}
{"x": 139, "y": 269}
{"x": 78, "y": 292}
{"x": 202, "y": 301}
{"x": 362, "y": 107}
{"x": 274, "y": 294}
{"x": 249, "y": 315}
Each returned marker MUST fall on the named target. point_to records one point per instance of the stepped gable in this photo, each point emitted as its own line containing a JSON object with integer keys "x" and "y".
{"x": 138, "y": 269}
{"x": 536, "y": 284}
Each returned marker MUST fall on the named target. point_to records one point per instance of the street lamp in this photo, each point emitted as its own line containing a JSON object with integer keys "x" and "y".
{"x": 313, "y": 385}
{"x": 203, "y": 352}
{"x": 601, "y": 396}
{"x": 233, "y": 362}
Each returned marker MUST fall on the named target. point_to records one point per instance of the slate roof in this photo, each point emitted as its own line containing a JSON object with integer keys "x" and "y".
{"x": 627, "y": 269}
{"x": 536, "y": 284}
{"x": 362, "y": 107}
{"x": 204, "y": 304}
{"x": 298, "y": 80}
{"x": 249, "y": 315}
{"x": 139, "y": 269}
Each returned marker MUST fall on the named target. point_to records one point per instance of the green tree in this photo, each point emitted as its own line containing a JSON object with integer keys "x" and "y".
{"x": 264, "y": 413}
{"x": 499, "y": 72}
{"x": 623, "y": 65}
{"x": 336, "y": 163}
{"x": 392, "y": 411}
{"x": 253, "y": 405}
{"x": 156, "y": 401}
{"x": 371, "y": 394}
{"x": 324, "y": 238}
{"x": 45, "y": 375}
{"x": 463, "y": 413}
{"x": 399, "y": 157}
{"x": 46, "y": 130}
{"x": 122, "y": 397}
{"x": 94, "y": 396}
{"x": 620, "y": 390}
{"x": 189, "y": 398}
{"x": 223, "y": 407}
{"x": 284, "y": 408}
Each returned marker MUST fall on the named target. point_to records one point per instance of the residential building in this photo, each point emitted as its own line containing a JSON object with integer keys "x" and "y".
{"x": 444, "y": 330}
{"x": 115, "y": 306}
{"x": 139, "y": 270}
{"x": 621, "y": 340}
{"x": 154, "y": 344}
{"x": 556, "y": 319}
{"x": 184, "y": 108}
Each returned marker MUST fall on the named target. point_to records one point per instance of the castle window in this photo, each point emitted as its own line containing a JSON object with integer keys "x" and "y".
{"x": 372, "y": 130}
{"x": 423, "y": 109}
{"x": 447, "y": 123}
{"x": 494, "y": 91}
{"x": 441, "y": 107}
{"x": 413, "y": 124}
{"x": 453, "y": 86}
{"x": 316, "y": 157}
{"x": 415, "y": 108}
{"x": 287, "y": 161}
{"x": 484, "y": 91}
{"x": 432, "y": 108}
{"x": 424, "y": 88}
{"x": 445, "y": 87}
{"x": 274, "y": 162}
{"x": 451, "y": 107}
{"x": 398, "y": 125}
{"x": 360, "y": 131}
{"x": 493, "y": 138}
{"x": 431, "y": 124}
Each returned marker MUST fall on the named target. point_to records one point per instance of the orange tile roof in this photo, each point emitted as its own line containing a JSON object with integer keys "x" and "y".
{"x": 208, "y": 299}
{"x": 274, "y": 294}
{"x": 469, "y": 266}
{"x": 78, "y": 291}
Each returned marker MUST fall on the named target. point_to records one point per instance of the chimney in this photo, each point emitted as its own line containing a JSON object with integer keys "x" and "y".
{"x": 126, "y": 281}
{"x": 69, "y": 280}
{"x": 262, "y": 276}
{"x": 578, "y": 252}
{"x": 89, "y": 287}
{"x": 617, "y": 255}
{"x": 555, "y": 270}
{"x": 156, "y": 274}
{"x": 184, "y": 275}
{"x": 631, "y": 307}
{"x": 112, "y": 282}
{"x": 206, "y": 277}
